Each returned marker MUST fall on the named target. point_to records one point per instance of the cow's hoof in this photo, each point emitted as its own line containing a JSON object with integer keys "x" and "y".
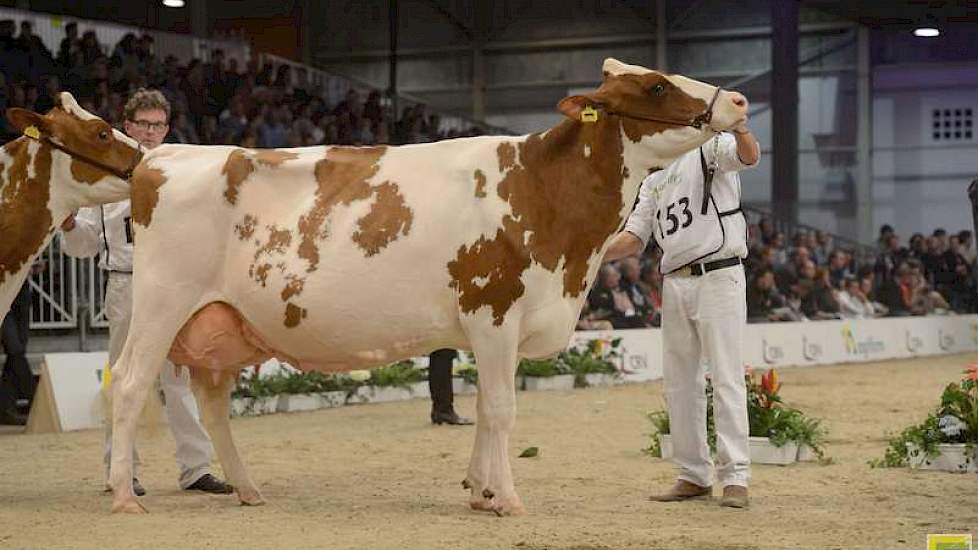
{"x": 512, "y": 507}
{"x": 250, "y": 497}
{"x": 128, "y": 506}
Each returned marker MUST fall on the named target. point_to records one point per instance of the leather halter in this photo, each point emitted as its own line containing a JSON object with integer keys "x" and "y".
{"x": 696, "y": 122}
{"x": 126, "y": 175}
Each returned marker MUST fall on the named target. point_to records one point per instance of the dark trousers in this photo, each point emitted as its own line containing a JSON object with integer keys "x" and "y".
{"x": 17, "y": 381}
{"x": 440, "y": 380}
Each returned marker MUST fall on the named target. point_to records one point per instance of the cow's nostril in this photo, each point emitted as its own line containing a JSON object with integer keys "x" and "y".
{"x": 739, "y": 100}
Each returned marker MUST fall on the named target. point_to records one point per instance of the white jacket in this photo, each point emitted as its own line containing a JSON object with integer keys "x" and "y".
{"x": 105, "y": 230}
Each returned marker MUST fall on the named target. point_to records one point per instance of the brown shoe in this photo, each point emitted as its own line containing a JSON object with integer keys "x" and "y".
{"x": 683, "y": 490}
{"x": 735, "y": 496}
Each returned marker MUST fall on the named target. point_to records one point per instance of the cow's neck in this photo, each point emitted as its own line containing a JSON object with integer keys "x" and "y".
{"x": 26, "y": 219}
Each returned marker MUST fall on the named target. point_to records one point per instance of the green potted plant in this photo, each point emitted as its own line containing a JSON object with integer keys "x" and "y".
{"x": 395, "y": 382}
{"x": 947, "y": 439}
{"x": 255, "y": 395}
{"x": 594, "y": 364}
{"x": 545, "y": 374}
{"x": 465, "y": 375}
{"x": 777, "y": 432}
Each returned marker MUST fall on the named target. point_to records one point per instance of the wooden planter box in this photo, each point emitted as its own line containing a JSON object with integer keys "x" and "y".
{"x": 952, "y": 457}
{"x": 254, "y": 406}
{"x": 559, "y": 382}
{"x": 762, "y": 451}
{"x": 461, "y": 387}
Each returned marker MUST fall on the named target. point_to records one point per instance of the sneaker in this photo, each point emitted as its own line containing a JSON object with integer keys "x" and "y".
{"x": 210, "y": 484}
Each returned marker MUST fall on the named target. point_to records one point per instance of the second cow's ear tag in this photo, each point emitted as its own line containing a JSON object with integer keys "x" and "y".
{"x": 32, "y": 132}
{"x": 589, "y": 114}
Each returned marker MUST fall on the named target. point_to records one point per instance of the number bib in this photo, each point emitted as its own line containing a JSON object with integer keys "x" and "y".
{"x": 682, "y": 231}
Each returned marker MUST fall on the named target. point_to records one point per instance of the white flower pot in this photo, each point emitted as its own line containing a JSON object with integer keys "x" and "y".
{"x": 762, "y": 451}
{"x": 461, "y": 387}
{"x": 665, "y": 443}
{"x": 420, "y": 390}
{"x": 240, "y": 405}
{"x": 520, "y": 383}
{"x": 380, "y": 394}
{"x": 559, "y": 382}
{"x": 952, "y": 457}
{"x": 248, "y": 406}
{"x": 296, "y": 402}
{"x": 806, "y": 454}
{"x": 332, "y": 399}
{"x": 600, "y": 379}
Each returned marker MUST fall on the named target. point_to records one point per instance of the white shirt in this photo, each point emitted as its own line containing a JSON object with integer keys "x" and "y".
{"x": 105, "y": 230}
{"x": 670, "y": 202}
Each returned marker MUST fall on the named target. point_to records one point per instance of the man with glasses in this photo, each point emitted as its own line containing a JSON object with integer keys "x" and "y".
{"x": 107, "y": 230}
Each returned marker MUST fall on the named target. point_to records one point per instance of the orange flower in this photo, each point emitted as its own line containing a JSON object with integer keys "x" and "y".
{"x": 769, "y": 382}
{"x": 972, "y": 373}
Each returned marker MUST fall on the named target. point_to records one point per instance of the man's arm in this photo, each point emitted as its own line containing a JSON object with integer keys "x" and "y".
{"x": 748, "y": 150}
{"x": 623, "y": 245}
{"x": 82, "y": 235}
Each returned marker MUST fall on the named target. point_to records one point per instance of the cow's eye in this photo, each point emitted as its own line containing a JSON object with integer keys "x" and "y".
{"x": 103, "y": 135}
{"x": 659, "y": 89}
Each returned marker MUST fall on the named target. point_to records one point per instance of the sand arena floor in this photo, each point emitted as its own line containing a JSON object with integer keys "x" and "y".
{"x": 381, "y": 476}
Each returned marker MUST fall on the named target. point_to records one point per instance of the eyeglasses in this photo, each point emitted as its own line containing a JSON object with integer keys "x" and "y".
{"x": 148, "y": 125}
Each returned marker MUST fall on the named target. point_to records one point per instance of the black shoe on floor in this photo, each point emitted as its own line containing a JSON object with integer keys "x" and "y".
{"x": 12, "y": 417}
{"x": 210, "y": 484}
{"x": 450, "y": 417}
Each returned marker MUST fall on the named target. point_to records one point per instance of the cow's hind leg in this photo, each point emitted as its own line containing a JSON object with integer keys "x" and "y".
{"x": 489, "y": 477}
{"x": 213, "y": 392}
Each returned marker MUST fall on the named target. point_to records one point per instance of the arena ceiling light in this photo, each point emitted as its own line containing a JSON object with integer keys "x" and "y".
{"x": 926, "y": 32}
{"x": 174, "y": 3}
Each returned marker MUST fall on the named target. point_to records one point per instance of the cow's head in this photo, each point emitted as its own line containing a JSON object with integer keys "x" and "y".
{"x": 67, "y": 158}
{"x": 670, "y": 112}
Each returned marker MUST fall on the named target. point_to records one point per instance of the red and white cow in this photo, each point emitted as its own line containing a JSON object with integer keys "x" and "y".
{"x": 336, "y": 258}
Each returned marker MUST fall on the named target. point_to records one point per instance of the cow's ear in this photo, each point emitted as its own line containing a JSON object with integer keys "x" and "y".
{"x": 572, "y": 106}
{"x": 26, "y": 122}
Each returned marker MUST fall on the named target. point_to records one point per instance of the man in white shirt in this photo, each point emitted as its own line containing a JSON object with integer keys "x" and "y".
{"x": 703, "y": 236}
{"x": 107, "y": 230}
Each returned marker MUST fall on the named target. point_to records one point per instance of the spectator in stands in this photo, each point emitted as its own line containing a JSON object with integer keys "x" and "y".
{"x": 853, "y": 304}
{"x": 588, "y": 320}
{"x": 821, "y": 302}
{"x": 764, "y": 302}
{"x": 924, "y": 299}
{"x": 610, "y": 302}
{"x": 887, "y": 261}
{"x": 631, "y": 274}
{"x": 786, "y": 274}
{"x": 823, "y": 244}
{"x": 917, "y": 246}
{"x": 966, "y": 247}
{"x": 70, "y": 44}
{"x": 767, "y": 230}
{"x": 780, "y": 250}
{"x": 885, "y": 231}
{"x": 181, "y": 131}
{"x": 838, "y": 267}
{"x": 651, "y": 285}
{"x": 897, "y": 293}
{"x": 272, "y": 131}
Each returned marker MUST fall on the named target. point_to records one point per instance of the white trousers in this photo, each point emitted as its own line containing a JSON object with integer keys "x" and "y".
{"x": 703, "y": 321}
{"x": 194, "y": 450}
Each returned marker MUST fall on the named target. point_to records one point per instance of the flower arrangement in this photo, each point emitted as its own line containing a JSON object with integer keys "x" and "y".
{"x": 955, "y": 420}
{"x": 766, "y": 413}
{"x": 597, "y": 356}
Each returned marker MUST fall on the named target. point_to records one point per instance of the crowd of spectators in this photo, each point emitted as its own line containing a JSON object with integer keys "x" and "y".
{"x": 809, "y": 278}
{"x": 217, "y": 102}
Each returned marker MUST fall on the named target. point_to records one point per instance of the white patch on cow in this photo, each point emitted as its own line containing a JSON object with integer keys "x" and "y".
{"x": 32, "y": 147}
{"x": 480, "y": 282}
{"x": 587, "y": 151}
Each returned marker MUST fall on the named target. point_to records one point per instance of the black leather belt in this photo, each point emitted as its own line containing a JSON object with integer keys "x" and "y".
{"x": 696, "y": 270}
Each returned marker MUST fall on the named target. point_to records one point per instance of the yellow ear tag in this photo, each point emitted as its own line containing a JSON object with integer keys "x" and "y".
{"x": 32, "y": 132}
{"x": 589, "y": 114}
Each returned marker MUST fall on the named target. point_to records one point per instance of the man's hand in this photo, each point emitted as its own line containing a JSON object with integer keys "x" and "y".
{"x": 624, "y": 244}
{"x": 69, "y": 222}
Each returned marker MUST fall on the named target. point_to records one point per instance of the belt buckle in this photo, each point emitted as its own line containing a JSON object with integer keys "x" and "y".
{"x": 686, "y": 271}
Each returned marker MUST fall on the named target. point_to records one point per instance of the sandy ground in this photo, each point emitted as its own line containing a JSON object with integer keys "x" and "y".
{"x": 381, "y": 476}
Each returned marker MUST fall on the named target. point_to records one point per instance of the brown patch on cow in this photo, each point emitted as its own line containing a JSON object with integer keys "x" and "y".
{"x": 246, "y": 229}
{"x": 146, "y": 183}
{"x": 341, "y": 178}
{"x": 259, "y": 273}
{"x": 388, "y": 218}
{"x": 293, "y": 288}
{"x": 86, "y": 173}
{"x": 294, "y": 314}
{"x": 631, "y": 96}
{"x": 24, "y": 215}
{"x": 273, "y": 158}
{"x": 564, "y": 206}
{"x": 480, "y": 184}
{"x": 237, "y": 168}
{"x": 278, "y": 241}
{"x": 507, "y": 156}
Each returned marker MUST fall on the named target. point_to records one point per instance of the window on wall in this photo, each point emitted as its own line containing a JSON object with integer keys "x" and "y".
{"x": 952, "y": 124}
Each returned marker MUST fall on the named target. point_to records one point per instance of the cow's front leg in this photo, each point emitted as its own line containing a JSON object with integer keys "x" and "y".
{"x": 489, "y": 477}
